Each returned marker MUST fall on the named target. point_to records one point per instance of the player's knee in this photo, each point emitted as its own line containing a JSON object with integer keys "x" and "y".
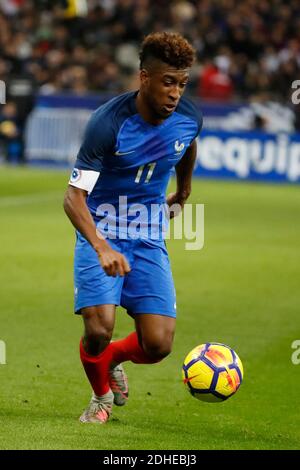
{"x": 157, "y": 350}
{"x": 97, "y": 339}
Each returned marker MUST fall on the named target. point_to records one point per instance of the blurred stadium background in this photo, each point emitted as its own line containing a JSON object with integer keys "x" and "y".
{"x": 61, "y": 59}
{"x": 57, "y": 56}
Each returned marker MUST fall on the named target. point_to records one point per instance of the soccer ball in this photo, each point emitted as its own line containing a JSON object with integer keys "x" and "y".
{"x": 212, "y": 372}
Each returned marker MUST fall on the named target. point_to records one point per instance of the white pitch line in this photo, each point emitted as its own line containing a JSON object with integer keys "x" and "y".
{"x": 36, "y": 198}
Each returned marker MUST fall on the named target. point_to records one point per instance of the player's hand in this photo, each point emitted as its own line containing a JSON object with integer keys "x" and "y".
{"x": 175, "y": 202}
{"x": 113, "y": 262}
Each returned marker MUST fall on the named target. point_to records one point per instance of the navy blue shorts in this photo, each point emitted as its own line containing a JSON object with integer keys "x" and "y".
{"x": 148, "y": 288}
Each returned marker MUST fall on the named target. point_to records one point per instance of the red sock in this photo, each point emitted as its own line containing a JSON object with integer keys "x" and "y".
{"x": 129, "y": 349}
{"x": 97, "y": 367}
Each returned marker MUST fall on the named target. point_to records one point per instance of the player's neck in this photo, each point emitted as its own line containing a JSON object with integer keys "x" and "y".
{"x": 146, "y": 112}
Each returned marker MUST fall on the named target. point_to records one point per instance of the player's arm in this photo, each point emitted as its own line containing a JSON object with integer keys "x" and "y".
{"x": 184, "y": 173}
{"x": 75, "y": 206}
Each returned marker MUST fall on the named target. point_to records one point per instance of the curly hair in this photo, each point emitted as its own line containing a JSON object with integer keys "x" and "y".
{"x": 171, "y": 48}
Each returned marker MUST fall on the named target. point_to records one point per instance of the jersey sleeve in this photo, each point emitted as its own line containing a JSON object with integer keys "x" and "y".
{"x": 199, "y": 120}
{"x": 191, "y": 111}
{"x": 200, "y": 124}
{"x": 98, "y": 141}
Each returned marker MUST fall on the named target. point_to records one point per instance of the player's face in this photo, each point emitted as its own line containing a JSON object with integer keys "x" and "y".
{"x": 163, "y": 87}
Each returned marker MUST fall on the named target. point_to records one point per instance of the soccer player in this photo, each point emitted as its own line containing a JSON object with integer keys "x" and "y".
{"x": 131, "y": 145}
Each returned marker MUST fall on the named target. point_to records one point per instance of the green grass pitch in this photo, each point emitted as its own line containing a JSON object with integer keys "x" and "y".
{"x": 242, "y": 289}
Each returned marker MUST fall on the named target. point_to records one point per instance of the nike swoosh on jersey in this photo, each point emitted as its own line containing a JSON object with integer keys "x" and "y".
{"x": 118, "y": 153}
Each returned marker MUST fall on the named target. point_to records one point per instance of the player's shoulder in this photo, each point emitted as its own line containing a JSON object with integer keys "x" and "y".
{"x": 187, "y": 108}
{"x": 102, "y": 129}
{"x": 114, "y": 111}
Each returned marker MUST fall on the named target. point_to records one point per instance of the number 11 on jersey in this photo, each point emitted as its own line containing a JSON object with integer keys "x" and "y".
{"x": 150, "y": 167}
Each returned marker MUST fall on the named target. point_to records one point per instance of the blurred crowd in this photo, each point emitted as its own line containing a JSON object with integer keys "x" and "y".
{"x": 247, "y": 50}
{"x": 244, "y": 47}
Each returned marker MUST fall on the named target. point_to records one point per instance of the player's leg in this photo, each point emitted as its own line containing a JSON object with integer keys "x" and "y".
{"x": 99, "y": 323}
{"x": 150, "y": 343}
{"x": 96, "y": 296}
{"x": 149, "y": 295}
{"x": 98, "y": 327}
{"x": 156, "y": 334}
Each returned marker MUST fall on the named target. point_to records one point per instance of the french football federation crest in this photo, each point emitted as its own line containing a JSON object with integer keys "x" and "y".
{"x": 179, "y": 147}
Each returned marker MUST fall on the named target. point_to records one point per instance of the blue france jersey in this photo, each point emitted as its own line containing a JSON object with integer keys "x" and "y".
{"x": 134, "y": 159}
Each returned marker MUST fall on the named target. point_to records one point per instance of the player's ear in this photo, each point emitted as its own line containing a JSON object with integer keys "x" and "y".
{"x": 144, "y": 76}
